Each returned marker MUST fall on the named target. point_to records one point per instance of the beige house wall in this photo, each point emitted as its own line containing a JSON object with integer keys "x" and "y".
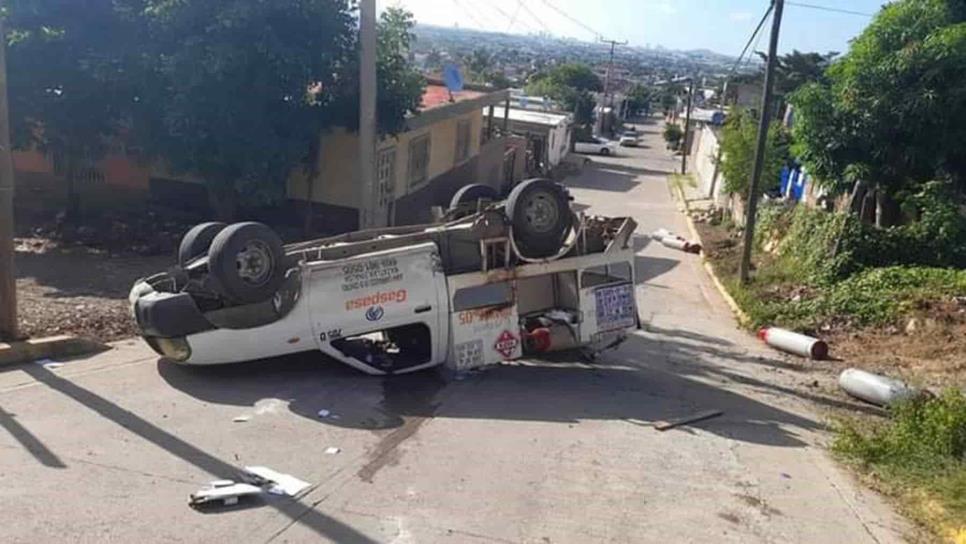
{"x": 338, "y": 180}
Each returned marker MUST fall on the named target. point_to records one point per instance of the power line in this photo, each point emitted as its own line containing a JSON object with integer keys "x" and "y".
{"x": 754, "y": 36}
{"x": 573, "y": 20}
{"x": 535, "y": 18}
{"x": 505, "y": 14}
{"x": 831, "y": 9}
{"x": 753, "y": 49}
{"x": 515, "y": 13}
{"x": 468, "y": 14}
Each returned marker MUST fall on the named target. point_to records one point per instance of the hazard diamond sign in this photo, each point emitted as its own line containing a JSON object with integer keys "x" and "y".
{"x": 506, "y": 344}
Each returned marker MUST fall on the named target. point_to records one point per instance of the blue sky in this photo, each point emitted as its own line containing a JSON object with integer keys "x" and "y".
{"x": 719, "y": 25}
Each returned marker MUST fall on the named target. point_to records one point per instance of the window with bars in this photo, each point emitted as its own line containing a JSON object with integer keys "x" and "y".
{"x": 419, "y": 160}
{"x": 462, "y": 141}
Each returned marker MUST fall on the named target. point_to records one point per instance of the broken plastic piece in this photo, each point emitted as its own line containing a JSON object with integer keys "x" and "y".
{"x": 227, "y": 492}
{"x": 332, "y": 450}
{"x": 273, "y": 481}
{"x": 241, "y": 419}
{"x": 324, "y": 413}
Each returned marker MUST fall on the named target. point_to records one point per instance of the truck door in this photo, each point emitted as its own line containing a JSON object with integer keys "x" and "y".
{"x": 383, "y": 312}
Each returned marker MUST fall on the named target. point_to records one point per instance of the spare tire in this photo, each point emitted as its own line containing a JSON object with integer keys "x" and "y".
{"x": 539, "y": 210}
{"x": 472, "y": 193}
{"x": 196, "y": 241}
{"x": 245, "y": 262}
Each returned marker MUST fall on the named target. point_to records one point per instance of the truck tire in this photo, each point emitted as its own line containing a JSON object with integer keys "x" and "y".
{"x": 472, "y": 193}
{"x": 604, "y": 151}
{"x": 246, "y": 262}
{"x": 196, "y": 241}
{"x": 539, "y": 211}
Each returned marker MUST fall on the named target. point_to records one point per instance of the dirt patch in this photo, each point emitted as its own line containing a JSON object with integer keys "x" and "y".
{"x": 77, "y": 290}
{"x": 927, "y": 347}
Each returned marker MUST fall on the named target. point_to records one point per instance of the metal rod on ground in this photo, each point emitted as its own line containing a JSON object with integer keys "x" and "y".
{"x": 8, "y": 287}
{"x": 751, "y": 208}
{"x": 687, "y": 128}
{"x": 368, "y": 202}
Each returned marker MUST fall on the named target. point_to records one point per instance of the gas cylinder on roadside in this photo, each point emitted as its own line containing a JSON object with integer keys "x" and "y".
{"x": 793, "y": 342}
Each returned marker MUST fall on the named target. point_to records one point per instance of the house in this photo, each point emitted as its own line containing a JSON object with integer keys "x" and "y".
{"x": 452, "y": 142}
{"x": 547, "y": 135}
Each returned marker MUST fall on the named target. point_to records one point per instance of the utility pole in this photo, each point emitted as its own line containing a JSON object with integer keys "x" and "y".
{"x": 687, "y": 128}
{"x": 607, "y": 96}
{"x": 751, "y": 208}
{"x": 8, "y": 287}
{"x": 368, "y": 201}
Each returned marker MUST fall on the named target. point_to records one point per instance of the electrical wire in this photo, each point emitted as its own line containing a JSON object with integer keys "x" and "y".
{"x": 755, "y": 36}
{"x": 468, "y": 14}
{"x": 831, "y": 9}
{"x": 573, "y": 20}
{"x": 535, "y": 18}
{"x": 515, "y": 13}
{"x": 751, "y": 52}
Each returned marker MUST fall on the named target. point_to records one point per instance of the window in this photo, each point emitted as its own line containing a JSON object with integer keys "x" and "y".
{"x": 481, "y": 296}
{"x": 604, "y": 274}
{"x": 419, "y": 161}
{"x": 462, "y": 141}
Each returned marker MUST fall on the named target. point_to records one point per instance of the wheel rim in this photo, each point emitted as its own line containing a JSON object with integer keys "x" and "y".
{"x": 541, "y": 212}
{"x": 255, "y": 263}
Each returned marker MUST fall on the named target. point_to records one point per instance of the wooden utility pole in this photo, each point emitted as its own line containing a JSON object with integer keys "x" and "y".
{"x": 751, "y": 209}
{"x": 687, "y": 128}
{"x": 8, "y": 288}
{"x": 607, "y": 97}
{"x": 369, "y": 197}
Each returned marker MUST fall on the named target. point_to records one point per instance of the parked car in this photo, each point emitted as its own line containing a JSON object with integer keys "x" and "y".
{"x": 596, "y": 145}
{"x": 493, "y": 280}
{"x": 629, "y": 138}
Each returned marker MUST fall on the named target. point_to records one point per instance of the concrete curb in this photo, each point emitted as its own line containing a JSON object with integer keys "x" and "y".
{"x": 26, "y": 351}
{"x": 740, "y": 314}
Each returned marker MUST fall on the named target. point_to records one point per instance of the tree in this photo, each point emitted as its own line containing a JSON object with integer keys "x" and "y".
{"x": 893, "y": 112}
{"x": 70, "y": 81}
{"x": 640, "y": 98}
{"x": 738, "y": 142}
{"x": 564, "y": 83}
{"x": 795, "y": 69}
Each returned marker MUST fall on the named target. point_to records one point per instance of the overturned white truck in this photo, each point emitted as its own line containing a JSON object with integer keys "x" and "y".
{"x": 493, "y": 280}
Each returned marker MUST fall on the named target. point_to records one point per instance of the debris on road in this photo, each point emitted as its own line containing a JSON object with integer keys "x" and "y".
{"x": 873, "y": 388}
{"x": 241, "y": 419}
{"x": 661, "y": 234}
{"x": 273, "y": 481}
{"x": 332, "y": 450}
{"x": 793, "y": 342}
{"x": 48, "y": 364}
{"x": 324, "y": 413}
{"x": 226, "y": 492}
{"x": 694, "y": 418}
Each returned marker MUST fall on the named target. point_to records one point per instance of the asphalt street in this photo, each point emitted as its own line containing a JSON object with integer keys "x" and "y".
{"x": 108, "y": 448}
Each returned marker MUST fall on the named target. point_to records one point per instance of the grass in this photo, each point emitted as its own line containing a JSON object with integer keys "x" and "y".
{"x": 876, "y": 296}
{"x": 919, "y": 456}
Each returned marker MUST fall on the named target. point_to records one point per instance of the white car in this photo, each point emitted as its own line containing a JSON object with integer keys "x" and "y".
{"x": 596, "y": 145}
{"x": 629, "y": 138}
{"x": 494, "y": 280}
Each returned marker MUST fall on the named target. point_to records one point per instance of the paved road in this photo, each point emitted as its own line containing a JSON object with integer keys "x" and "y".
{"x": 108, "y": 448}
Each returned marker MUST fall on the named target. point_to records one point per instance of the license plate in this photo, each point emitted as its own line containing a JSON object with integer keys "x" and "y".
{"x": 615, "y": 307}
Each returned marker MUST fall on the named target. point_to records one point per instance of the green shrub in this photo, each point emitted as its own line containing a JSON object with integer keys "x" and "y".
{"x": 922, "y": 446}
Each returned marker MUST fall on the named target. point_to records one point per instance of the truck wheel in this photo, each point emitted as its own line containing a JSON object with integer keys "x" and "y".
{"x": 539, "y": 211}
{"x": 245, "y": 262}
{"x": 472, "y": 193}
{"x": 197, "y": 241}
